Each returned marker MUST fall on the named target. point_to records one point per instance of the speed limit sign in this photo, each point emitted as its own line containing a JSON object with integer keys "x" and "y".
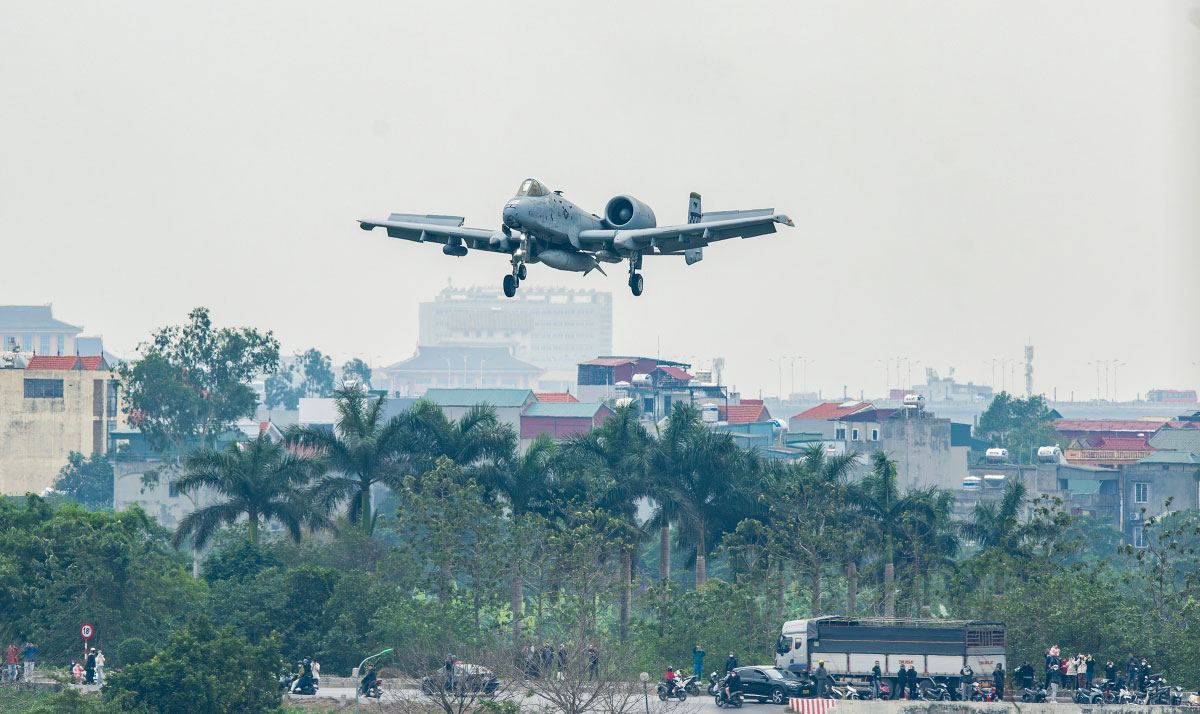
{"x": 86, "y": 631}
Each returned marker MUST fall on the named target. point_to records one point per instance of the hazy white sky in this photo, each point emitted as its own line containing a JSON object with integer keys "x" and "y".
{"x": 963, "y": 175}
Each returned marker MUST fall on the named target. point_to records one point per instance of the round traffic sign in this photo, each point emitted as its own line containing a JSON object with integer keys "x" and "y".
{"x": 86, "y": 631}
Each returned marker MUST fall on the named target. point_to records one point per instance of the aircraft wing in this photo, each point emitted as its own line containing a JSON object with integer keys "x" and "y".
{"x": 446, "y": 230}
{"x": 689, "y": 236}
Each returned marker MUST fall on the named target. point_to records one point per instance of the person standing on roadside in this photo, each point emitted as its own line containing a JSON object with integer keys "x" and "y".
{"x": 30, "y": 660}
{"x": 89, "y": 667}
{"x": 99, "y": 668}
{"x": 12, "y": 657}
{"x": 698, "y": 660}
{"x": 822, "y": 677}
{"x": 1069, "y": 673}
{"x": 966, "y": 677}
{"x": 1053, "y": 677}
{"x": 1110, "y": 671}
{"x": 998, "y": 680}
{"x": 731, "y": 663}
{"x": 1089, "y": 669}
{"x": 876, "y": 676}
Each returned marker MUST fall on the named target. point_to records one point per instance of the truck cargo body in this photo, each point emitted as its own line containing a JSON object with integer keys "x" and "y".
{"x": 851, "y": 646}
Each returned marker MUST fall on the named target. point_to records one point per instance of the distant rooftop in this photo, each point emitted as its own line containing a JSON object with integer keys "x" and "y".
{"x": 834, "y": 410}
{"x": 551, "y": 397}
{"x": 565, "y": 410}
{"x": 33, "y": 318}
{"x": 457, "y": 360}
{"x": 1171, "y": 457}
{"x": 1134, "y": 425}
{"x": 471, "y": 397}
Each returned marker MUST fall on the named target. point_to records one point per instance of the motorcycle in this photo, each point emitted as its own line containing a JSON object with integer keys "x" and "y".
{"x": 714, "y": 684}
{"x": 933, "y": 692}
{"x": 722, "y": 700}
{"x": 691, "y": 685}
{"x": 1033, "y": 696}
{"x": 306, "y": 687}
{"x": 375, "y": 691}
{"x": 666, "y": 692}
{"x": 984, "y": 693}
{"x": 842, "y": 691}
{"x": 1088, "y": 695}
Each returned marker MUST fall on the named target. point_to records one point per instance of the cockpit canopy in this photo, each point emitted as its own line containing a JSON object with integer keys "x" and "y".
{"x": 532, "y": 187}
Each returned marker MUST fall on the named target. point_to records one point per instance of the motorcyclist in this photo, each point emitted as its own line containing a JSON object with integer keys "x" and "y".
{"x": 733, "y": 684}
{"x": 306, "y": 676}
{"x": 368, "y": 679}
{"x": 669, "y": 678}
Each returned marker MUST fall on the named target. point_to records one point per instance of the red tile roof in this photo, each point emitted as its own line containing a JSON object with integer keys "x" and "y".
{"x": 91, "y": 364}
{"x": 1121, "y": 443}
{"x": 610, "y": 361}
{"x": 555, "y": 397}
{"x": 675, "y": 372}
{"x": 50, "y": 362}
{"x": 744, "y": 413}
{"x": 833, "y": 410}
{"x": 1135, "y": 425}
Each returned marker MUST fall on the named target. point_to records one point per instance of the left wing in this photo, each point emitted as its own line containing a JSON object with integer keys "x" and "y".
{"x": 446, "y": 230}
{"x": 712, "y": 227}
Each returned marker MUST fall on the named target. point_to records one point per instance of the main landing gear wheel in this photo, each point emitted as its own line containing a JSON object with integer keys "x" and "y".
{"x": 510, "y": 285}
{"x": 635, "y": 284}
{"x": 522, "y": 272}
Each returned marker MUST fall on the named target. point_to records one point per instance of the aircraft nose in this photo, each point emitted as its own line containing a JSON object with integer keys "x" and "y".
{"x": 510, "y": 215}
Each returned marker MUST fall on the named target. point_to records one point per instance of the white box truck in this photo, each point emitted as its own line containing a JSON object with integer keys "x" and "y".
{"x": 851, "y": 645}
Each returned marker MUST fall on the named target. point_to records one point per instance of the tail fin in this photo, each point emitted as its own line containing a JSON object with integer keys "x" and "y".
{"x": 694, "y": 213}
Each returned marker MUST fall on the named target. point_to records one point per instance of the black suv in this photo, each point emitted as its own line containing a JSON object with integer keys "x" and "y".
{"x": 770, "y": 684}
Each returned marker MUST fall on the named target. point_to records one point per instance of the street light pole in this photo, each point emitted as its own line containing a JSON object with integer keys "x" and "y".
{"x": 645, "y": 676}
{"x": 358, "y": 689}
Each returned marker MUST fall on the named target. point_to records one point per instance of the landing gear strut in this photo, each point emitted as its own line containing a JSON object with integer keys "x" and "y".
{"x": 519, "y": 271}
{"x": 635, "y": 278}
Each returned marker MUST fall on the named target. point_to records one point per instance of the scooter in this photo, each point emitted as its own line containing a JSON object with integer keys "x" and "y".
{"x": 714, "y": 684}
{"x": 933, "y": 692}
{"x": 983, "y": 692}
{"x": 666, "y": 692}
{"x": 721, "y": 700}
{"x": 1033, "y": 696}
{"x": 691, "y": 685}
{"x": 842, "y": 691}
{"x": 375, "y": 691}
{"x": 307, "y": 688}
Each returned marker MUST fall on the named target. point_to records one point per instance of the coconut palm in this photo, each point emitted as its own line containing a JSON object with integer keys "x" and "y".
{"x": 993, "y": 525}
{"x": 475, "y": 438}
{"x": 363, "y": 449}
{"x": 932, "y": 540}
{"x": 878, "y": 498}
{"x": 261, "y": 482}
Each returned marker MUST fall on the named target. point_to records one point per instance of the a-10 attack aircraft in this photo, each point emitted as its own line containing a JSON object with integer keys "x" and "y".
{"x": 540, "y": 226}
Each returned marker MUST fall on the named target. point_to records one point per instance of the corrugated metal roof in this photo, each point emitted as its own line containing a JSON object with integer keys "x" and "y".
{"x": 1171, "y": 457}
{"x": 1177, "y": 439}
{"x": 1134, "y": 425}
{"x": 1120, "y": 443}
{"x": 833, "y": 410}
{"x": 471, "y": 397}
{"x": 565, "y": 410}
{"x": 675, "y": 372}
{"x": 610, "y": 361}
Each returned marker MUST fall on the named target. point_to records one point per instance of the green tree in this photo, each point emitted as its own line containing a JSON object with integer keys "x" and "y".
{"x": 280, "y": 389}
{"x": 261, "y": 482}
{"x": 200, "y": 669}
{"x": 88, "y": 480}
{"x": 878, "y": 498}
{"x": 476, "y": 437}
{"x": 318, "y": 373}
{"x": 998, "y": 524}
{"x": 358, "y": 370}
{"x": 192, "y": 381}
{"x": 362, "y": 450}
{"x": 1019, "y": 425}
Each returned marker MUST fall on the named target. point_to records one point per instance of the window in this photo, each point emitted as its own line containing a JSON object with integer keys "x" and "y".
{"x": 854, "y": 434}
{"x": 27, "y": 343}
{"x": 44, "y": 345}
{"x": 43, "y": 389}
{"x": 112, "y": 398}
{"x": 874, "y": 435}
{"x": 839, "y": 433}
{"x": 666, "y": 403}
{"x": 1139, "y": 537}
{"x": 1141, "y": 492}
{"x": 172, "y": 492}
{"x": 58, "y": 344}
{"x": 98, "y": 397}
{"x": 648, "y": 405}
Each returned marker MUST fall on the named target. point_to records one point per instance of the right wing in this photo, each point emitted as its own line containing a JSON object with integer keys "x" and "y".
{"x": 446, "y": 230}
{"x": 710, "y": 228}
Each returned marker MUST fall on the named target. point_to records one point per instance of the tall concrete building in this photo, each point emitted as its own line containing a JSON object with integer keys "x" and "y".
{"x": 553, "y": 328}
{"x": 32, "y": 328}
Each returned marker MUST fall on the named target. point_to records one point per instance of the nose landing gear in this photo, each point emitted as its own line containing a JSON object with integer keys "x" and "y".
{"x": 519, "y": 271}
{"x": 635, "y": 278}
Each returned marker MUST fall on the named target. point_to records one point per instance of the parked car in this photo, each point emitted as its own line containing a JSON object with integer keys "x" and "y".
{"x": 808, "y": 685}
{"x": 464, "y": 678}
{"x": 768, "y": 684}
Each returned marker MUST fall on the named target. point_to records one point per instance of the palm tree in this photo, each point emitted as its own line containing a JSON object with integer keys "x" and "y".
{"x": 933, "y": 540}
{"x": 698, "y": 471}
{"x": 993, "y": 525}
{"x": 261, "y": 481}
{"x": 618, "y": 453}
{"x": 478, "y": 436}
{"x": 362, "y": 450}
{"x": 879, "y": 499}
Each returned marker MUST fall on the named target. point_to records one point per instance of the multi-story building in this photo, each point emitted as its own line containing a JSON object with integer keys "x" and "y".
{"x": 32, "y": 328}
{"x": 49, "y": 407}
{"x": 553, "y": 328}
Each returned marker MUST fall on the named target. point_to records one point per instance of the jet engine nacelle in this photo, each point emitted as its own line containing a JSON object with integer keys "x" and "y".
{"x": 626, "y": 212}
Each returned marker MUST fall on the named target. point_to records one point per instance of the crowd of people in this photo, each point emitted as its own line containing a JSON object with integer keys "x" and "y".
{"x": 1081, "y": 670}
{"x": 89, "y": 670}
{"x": 551, "y": 662}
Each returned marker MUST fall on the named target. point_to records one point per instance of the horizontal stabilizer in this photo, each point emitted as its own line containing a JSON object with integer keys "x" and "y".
{"x": 427, "y": 219}
{"x": 726, "y": 215}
